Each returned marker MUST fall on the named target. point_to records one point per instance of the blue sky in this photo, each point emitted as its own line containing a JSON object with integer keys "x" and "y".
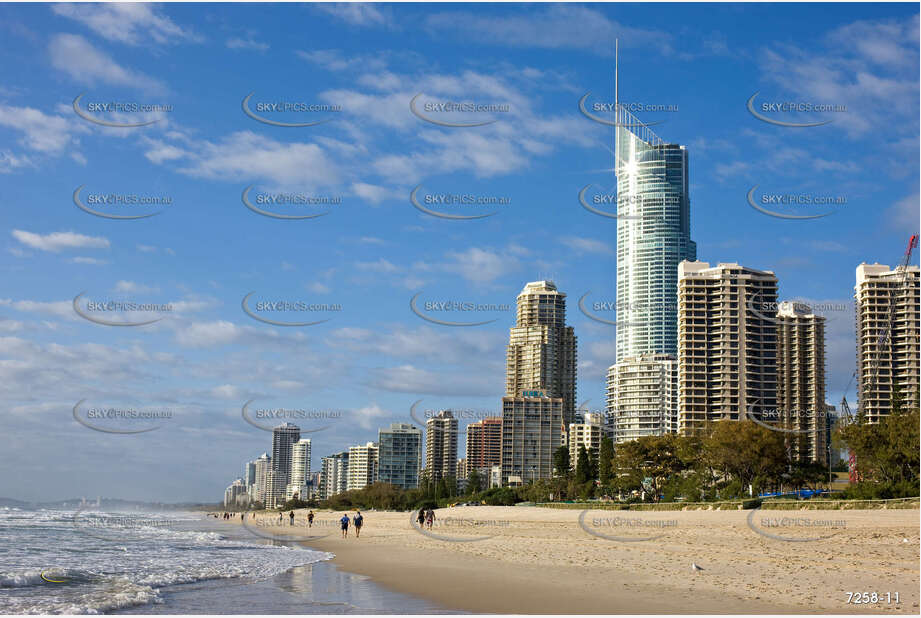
{"x": 374, "y": 251}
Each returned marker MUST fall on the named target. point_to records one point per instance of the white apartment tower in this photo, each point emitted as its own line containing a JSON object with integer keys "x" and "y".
{"x": 300, "y": 470}
{"x": 335, "y": 476}
{"x": 642, "y": 397}
{"x": 362, "y": 466}
{"x": 584, "y": 434}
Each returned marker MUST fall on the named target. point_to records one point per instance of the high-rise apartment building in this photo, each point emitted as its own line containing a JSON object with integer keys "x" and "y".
{"x": 249, "y": 474}
{"x": 883, "y": 294}
{"x": 300, "y": 470}
{"x": 362, "y": 465}
{"x": 727, "y": 344}
{"x": 584, "y": 434}
{"x": 642, "y": 397}
{"x": 484, "y": 443}
{"x": 540, "y": 383}
{"x": 653, "y": 237}
{"x": 275, "y": 484}
{"x": 532, "y": 431}
{"x": 542, "y": 349}
{"x": 284, "y": 437}
{"x": 441, "y": 446}
{"x": 235, "y": 495}
{"x": 335, "y": 475}
{"x": 462, "y": 469}
{"x": 801, "y": 403}
{"x": 261, "y": 466}
{"x": 400, "y": 455}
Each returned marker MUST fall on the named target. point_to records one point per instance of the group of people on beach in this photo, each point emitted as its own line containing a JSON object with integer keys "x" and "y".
{"x": 426, "y": 517}
{"x": 357, "y": 521}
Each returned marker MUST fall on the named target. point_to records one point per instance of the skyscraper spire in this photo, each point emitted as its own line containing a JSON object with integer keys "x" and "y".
{"x": 615, "y": 80}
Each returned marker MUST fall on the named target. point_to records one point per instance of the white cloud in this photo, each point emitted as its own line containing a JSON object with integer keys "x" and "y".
{"x": 87, "y": 260}
{"x": 56, "y": 241}
{"x": 129, "y": 23}
{"x": 10, "y": 162}
{"x": 411, "y": 379}
{"x": 549, "y": 27}
{"x": 587, "y": 245}
{"x": 357, "y": 13}
{"x": 11, "y": 326}
{"x": 247, "y": 43}
{"x": 367, "y": 417}
{"x": 905, "y": 213}
{"x": 134, "y": 288}
{"x": 250, "y": 155}
{"x": 372, "y": 193}
{"x": 227, "y": 391}
{"x": 41, "y": 132}
{"x": 868, "y": 66}
{"x": 480, "y": 266}
{"x": 206, "y": 334}
{"x": 335, "y": 60}
{"x": 379, "y": 266}
{"x": 75, "y": 56}
{"x": 59, "y": 308}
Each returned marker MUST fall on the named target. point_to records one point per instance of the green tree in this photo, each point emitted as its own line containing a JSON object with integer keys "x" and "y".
{"x": 887, "y": 452}
{"x": 474, "y": 482}
{"x": 561, "y": 461}
{"x": 647, "y": 463}
{"x": 605, "y": 461}
{"x": 747, "y": 452}
{"x": 583, "y": 466}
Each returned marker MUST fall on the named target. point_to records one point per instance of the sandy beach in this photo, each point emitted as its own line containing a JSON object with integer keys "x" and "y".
{"x": 540, "y": 560}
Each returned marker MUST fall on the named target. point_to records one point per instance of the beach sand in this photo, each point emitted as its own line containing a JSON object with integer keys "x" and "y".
{"x": 542, "y": 561}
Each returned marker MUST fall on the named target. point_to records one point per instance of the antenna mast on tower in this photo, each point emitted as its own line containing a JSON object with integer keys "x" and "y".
{"x": 615, "y": 80}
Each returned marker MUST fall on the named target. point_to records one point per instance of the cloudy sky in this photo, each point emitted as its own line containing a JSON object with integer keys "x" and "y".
{"x": 690, "y": 69}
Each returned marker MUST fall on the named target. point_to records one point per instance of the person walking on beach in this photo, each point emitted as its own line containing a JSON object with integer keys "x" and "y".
{"x": 279, "y": 517}
{"x": 430, "y": 518}
{"x": 291, "y": 517}
{"x": 358, "y": 520}
{"x": 310, "y": 519}
{"x": 344, "y": 524}
{"x": 421, "y": 517}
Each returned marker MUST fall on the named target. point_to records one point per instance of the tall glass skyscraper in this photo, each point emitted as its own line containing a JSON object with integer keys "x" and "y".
{"x": 653, "y": 236}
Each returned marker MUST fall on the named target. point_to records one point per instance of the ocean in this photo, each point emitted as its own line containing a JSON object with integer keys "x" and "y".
{"x": 94, "y": 562}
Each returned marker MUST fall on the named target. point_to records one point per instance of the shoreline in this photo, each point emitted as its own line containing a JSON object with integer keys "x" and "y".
{"x": 541, "y": 562}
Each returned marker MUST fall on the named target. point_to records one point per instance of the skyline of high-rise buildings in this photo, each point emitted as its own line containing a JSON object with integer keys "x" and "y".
{"x": 694, "y": 344}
